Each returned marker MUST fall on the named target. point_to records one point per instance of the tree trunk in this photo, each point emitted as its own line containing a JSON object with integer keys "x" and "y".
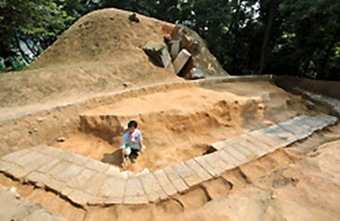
{"x": 273, "y": 5}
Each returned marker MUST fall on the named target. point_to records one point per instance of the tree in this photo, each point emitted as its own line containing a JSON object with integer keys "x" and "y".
{"x": 39, "y": 21}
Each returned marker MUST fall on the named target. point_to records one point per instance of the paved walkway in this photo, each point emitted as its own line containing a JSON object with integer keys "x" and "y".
{"x": 333, "y": 103}
{"x": 14, "y": 209}
{"x": 86, "y": 181}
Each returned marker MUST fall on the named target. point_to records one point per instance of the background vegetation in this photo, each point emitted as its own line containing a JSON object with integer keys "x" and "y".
{"x": 292, "y": 37}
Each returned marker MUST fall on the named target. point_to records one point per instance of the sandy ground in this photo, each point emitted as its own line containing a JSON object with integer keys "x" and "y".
{"x": 300, "y": 183}
{"x": 103, "y": 52}
{"x": 180, "y": 124}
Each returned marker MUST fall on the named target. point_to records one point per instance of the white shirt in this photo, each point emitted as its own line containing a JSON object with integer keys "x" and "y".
{"x": 133, "y": 140}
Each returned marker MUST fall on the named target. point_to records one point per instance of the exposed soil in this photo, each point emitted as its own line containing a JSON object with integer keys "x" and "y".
{"x": 287, "y": 185}
{"x": 98, "y": 53}
{"x": 180, "y": 124}
{"x": 101, "y": 53}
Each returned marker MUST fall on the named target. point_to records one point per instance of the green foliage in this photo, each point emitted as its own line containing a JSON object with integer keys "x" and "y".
{"x": 298, "y": 37}
{"x": 38, "y": 20}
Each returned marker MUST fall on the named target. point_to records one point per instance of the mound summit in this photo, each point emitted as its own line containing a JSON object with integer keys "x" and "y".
{"x": 100, "y": 52}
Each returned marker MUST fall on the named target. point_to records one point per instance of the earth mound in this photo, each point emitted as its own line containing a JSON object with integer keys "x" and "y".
{"x": 102, "y": 51}
{"x": 105, "y": 36}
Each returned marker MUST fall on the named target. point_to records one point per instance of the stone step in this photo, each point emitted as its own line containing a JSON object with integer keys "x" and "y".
{"x": 86, "y": 181}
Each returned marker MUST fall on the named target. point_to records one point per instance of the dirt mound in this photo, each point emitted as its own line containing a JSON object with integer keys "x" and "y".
{"x": 105, "y": 36}
{"x": 102, "y": 51}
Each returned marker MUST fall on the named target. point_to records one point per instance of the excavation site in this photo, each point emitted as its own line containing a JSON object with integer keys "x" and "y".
{"x": 216, "y": 146}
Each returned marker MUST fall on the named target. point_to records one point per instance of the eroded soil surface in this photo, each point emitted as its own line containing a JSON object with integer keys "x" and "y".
{"x": 180, "y": 124}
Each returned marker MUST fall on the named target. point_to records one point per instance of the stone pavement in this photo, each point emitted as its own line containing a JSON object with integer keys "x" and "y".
{"x": 85, "y": 181}
{"x": 333, "y": 103}
{"x": 16, "y": 209}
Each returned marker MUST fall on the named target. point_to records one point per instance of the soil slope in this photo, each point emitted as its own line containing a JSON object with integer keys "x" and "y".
{"x": 99, "y": 52}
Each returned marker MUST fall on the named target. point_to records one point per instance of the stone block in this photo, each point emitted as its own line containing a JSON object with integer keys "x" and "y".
{"x": 175, "y": 47}
{"x": 165, "y": 183}
{"x": 200, "y": 171}
{"x": 97, "y": 166}
{"x": 80, "y": 197}
{"x": 68, "y": 173}
{"x": 134, "y": 187}
{"x": 114, "y": 189}
{"x": 176, "y": 180}
{"x": 218, "y": 145}
{"x": 206, "y": 166}
{"x": 152, "y": 188}
{"x": 228, "y": 158}
{"x": 135, "y": 200}
{"x": 217, "y": 164}
{"x": 187, "y": 174}
{"x": 242, "y": 148}
{"x": 230, "y": 150}
{"x": 95, "y": 183}
{"x": 12, "y": 157}
{"x": 158, "y": 53}
{"x": 181, "y": 60}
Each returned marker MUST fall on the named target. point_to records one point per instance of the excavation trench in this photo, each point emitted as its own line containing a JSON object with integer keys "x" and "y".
{"x": 176, "y": 125}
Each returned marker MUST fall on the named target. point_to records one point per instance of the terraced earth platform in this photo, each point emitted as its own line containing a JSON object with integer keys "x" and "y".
{"x": 85, "y": 181}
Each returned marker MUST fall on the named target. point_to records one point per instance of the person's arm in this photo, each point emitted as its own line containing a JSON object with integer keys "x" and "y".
{"x": 124, "y": 141}
{"x": 140, "y": 141}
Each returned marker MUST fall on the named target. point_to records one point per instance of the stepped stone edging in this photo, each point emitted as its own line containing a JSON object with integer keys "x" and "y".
{"x": 89, "y": 182}
{"x": 333, "y": 103}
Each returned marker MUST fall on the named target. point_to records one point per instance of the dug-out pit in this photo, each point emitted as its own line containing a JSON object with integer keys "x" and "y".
{"x": 177, "y": 125}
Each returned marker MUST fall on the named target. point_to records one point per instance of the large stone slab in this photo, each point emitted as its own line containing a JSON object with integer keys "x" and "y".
{"x": 113, "y": 190}
{"x": 79, "y": 181}
{"x": 280, "y": 133}
{"x": 206, "y": 166}
{"x": 13, "y": 169}
{"x": 189, "y": 176}
{"x": 257, "y": 148}
{"x": 175, "y": 47}
{"x": 242, "y": 147}
{"x": 94, "y": 184}
{"x": 228, "y": 158}
{"x": 176, "y": 180}
{"x": 158, "y": 53}
{"x": 12, "y": 157}
{"x": 165, "y": 182}
{"x": 70, "y": 172}
{"x": 230, "y": 150}
{"x": 200, "y": 171}
{"x": 152, "y": 188}
{"x": 217, "y": 164}
{"x": 88, "y": 182}
{"x": 134, "y": 193}
{"x": 181, "y": 60}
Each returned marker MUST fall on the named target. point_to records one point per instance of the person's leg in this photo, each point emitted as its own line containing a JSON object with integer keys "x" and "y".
{"x": 134, "y": 154}
{"x": 126, "y": 152}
